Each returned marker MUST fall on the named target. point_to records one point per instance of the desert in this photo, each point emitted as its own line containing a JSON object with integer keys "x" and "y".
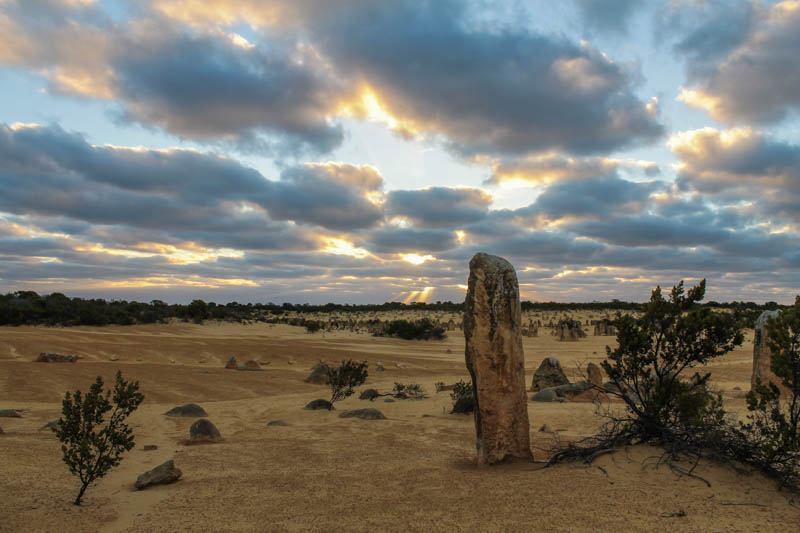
{"x": 414, "y": 471}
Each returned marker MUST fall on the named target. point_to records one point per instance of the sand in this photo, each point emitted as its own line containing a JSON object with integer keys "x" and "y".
{"x": 322, "y": 473}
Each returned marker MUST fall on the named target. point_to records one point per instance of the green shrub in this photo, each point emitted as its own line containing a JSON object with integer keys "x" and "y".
{"x": 345, "y": 377}
{"x": 312, "y": 326}
{"x": 463, "y": 397}
{"x": 91, "y": 443}
{"x": 414, "y": 391}
{"x": 423, "y": 329}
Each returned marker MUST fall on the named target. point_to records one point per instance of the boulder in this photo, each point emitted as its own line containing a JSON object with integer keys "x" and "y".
{"x": 495, "y": 360}
{"x": 369, "y": 413}
{"x": 277, "y": 423}
{"x": 594, "y": 375}
{"x": 190, "y": 409}
{"x": 545, "y": 395}
{"x": 762, "y": 355}
{"x": 316, "y": 405}
{"x": 204, "y": 430}
{"x": 163, "y": 474}
{"x": 549, "y": 374}
{"x": 46, "y": 357}
{"x": 231, "y": 364}
{"x": 318, "y": 375}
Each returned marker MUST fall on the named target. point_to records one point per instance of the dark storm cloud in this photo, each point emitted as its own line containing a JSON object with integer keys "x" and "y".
{"x": 509, "y": 91}
{"x": 49, "y": 172}
{"x": 743, "y": 62}
{"x": 395, "y": 240}
{"x": 439, "y": 206}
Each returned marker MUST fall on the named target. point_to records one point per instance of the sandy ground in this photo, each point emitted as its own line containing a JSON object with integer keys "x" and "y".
{"x": 322, "y": 473}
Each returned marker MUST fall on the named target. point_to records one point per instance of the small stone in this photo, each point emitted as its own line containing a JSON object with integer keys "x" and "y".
{"x": 10, "y": 413}
{"x": 400, "y": 365}
{"x": 150, "y": 447}
{"x": 231, "y": 364}
{"x": 737, "y": 388}
{"x": 369, "y": 413}
{"x": 388, "y": 400}
{"x": 316, "y": 405}
{"x": 53, "y": 424}
{"x": 290, "y": 361}
{"x": 545, "y": 429}
{"x": 113, "y": 357}
{"x": 379, "y": 367}
{"x": 190, "y": 409}
{"x": 163, "y": 474}
{"x": 250, "y": 365}
{"x": 427, "y": 416}
{"x": 203, "y": 430}
{"x": 449, "y": 350}
{"x": 277, "y": 423}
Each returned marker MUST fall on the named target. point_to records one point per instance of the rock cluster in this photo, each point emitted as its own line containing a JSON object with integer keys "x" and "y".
{"x": 495, "y": 361}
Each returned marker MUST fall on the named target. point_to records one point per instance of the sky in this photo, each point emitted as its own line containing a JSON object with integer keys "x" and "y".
{"x": 362, "y": 151}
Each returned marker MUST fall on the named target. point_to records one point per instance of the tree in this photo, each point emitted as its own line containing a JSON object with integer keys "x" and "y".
{"x": 345, "y": 377}
{"x": 91, "y": 443}
{"x": 772, "y": 425}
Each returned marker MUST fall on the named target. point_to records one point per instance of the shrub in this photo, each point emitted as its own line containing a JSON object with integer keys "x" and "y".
{"x": 423, "y": 329}
{"x": 91, "y": 444}
{"x": 463, "y": 397}
{"x": 413, "y": 391}
{"x": 312, "y": 326}
{"x": 345, "y": 377}
{"x": 772, "y": 426}
{"x": 648, "y": 369}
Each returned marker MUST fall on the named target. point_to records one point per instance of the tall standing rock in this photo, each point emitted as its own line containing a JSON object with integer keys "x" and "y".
{"x": 495, "y": 361}
{"x": 762, "y": 355}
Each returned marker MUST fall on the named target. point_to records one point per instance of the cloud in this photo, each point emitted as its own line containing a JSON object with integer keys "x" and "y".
{"x": 396, "y": 240}
{"x": 743, "y": 63}
{"x": 439, "y": 206}
{"x": 732, "y": 164}
{"x": 611, "y": 16}
{"x": 552, "y": 167}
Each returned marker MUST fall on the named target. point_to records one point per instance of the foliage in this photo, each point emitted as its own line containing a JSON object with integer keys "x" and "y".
{"x": 413, "y": 391}
{"x": 91, "y": 443}
{"x": 463, "y": 397}
{"x": 423, "y": 329}
{"x": 772, "y": 425}
{"x": 345, "y": 377}
{"x": 312, "y": 326}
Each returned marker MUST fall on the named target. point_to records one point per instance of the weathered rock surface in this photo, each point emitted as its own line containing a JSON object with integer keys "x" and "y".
{"x": 369, "y": 413}
{"x": 762, "y": 355}
{"x": 549, "y": 374}
{"x": 190, "y": 409}
{"x": 316, "y": 405}
{"x": 594, "y": 375}
{"x": 163, "y": 474}
{"x": 319, "y": 375}
{"x": 46, "y": 357}
{"x": 203, "y": 430}
{"x": 495, "y": 360}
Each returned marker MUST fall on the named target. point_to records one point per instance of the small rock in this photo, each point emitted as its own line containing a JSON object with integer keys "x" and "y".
{"x": 46, "y": 357}
{"x": 1, "y": 431}
{"x": 277, "y": 423}
{"x": 231, "y": 364}
{"x": 290, "y": 361}
{"x": 11, "y": 413}
{"x": 190, "y": 409}
{"x": 369, "y": 394}
{"x": 545, "y": 395}
{"x": 203, "y": 430}
{"x": 150, "y": 447}
{"x": 388, "y": 400}
{"x": 427, "y": 416}
{"x": 545, "y": 429}
{"x": 172, "y": 360}
{"x": 400, "y": 365}
{"x": 163, "y": 474}
{"x": 113, "y": 357}
{"x": 369, "y": 413}
{"x": 319, "y": 375}
{"x": 201, "y": 361}
{"x": 379, "y": 367}
{"x": 250, "y": 365}
{"x": 449, "y": 350}
{"x": 53, "y": 424}
{"x": 737, "y": 388}
{"x": 316, "y": 405}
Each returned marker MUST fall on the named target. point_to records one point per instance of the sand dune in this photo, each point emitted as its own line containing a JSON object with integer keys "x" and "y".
{"x": 323, "y": 473}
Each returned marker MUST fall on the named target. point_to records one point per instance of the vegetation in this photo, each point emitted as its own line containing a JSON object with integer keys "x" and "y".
{"x": 91, "y": 443}
{"x": 29, "y": 308}
{"x": 413, "y": 391}
{"x": 772, "y": 427}
{"x": 312, "y": 326}
{"x": 423, "y": 329}
{"x": 345, "y": 377}
{"x": 463, "y": 397}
